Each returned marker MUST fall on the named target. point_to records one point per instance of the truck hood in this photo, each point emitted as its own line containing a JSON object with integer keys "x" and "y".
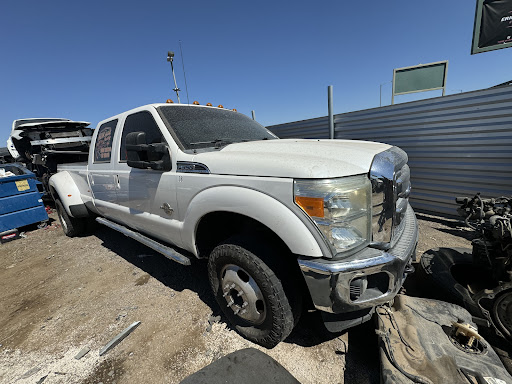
{"x": 23, "y": 130}
{"x": 293, "y": 158}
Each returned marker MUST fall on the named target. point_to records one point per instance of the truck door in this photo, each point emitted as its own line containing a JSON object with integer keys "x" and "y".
{"x": 146, "y": 198}
{"x": 101, "y": 177}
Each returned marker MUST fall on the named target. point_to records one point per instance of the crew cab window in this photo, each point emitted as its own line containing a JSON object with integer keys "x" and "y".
{"x": 140, "y": 122}
{"x": 103, "y": 147}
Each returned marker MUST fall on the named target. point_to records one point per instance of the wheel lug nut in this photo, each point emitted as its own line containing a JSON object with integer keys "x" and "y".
{"x": 243, "y": 312}
{"x": 232, "y": 286}
{"x": 240, "y": 293}
{"x": 245, "y": 304}
{"x": 225, "y": 294}
{"x": 231, "y": 303}
{"x": 237, "y": 310}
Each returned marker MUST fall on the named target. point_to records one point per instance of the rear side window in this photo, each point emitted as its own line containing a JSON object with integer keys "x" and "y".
{"x": 103, "y": 147}
{"x": 140, "y": 122}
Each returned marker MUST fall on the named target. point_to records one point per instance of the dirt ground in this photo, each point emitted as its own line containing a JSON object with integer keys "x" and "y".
{"x": 59, "y": 295}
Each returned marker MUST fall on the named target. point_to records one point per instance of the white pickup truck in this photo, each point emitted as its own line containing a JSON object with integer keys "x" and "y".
{"x": 283, "y": 224}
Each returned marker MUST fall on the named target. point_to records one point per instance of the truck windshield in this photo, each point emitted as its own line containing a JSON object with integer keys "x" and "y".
{"x": 203, "y": 127}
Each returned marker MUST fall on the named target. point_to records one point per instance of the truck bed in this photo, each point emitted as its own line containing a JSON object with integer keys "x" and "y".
{"x": 72, "y": 167}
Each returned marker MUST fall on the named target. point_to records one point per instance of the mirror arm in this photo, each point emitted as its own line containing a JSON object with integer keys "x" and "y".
{"x": 137, "y": 147}
{"x": 139, "y": 164}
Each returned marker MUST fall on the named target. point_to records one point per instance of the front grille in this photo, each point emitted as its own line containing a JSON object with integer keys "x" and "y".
{"x": 391, "y": 186}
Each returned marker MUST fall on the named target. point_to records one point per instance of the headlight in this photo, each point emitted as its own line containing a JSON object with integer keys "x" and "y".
{"x": 339, "y": 207}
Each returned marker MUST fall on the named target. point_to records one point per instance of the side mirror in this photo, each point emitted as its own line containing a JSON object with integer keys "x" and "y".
{"x": 135, "y": 142}
{"x": 143, "y": 156}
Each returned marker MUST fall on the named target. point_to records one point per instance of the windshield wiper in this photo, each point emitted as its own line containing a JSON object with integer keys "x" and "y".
{"x": 218, "y": 142}
{"x": 247, "y": 140}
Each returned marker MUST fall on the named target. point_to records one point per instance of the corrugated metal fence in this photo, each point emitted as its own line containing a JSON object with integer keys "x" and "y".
{"x": 458, "y": 145}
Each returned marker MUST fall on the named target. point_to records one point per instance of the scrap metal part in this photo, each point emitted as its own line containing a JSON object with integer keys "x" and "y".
{"x": 116, "y": 340}
{"x": 43, "y": 143}
{"x": 415, "y": 345}
{"x": 480, "y": 278}
{"x": 496, "y": 305}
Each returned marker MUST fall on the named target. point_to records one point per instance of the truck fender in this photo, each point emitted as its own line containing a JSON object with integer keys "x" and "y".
{"x": 256, "y": 205}
{"x": 64, "y": 188}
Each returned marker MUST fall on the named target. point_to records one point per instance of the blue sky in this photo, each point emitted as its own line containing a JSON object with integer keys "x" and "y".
{"x": 89, "y": 60}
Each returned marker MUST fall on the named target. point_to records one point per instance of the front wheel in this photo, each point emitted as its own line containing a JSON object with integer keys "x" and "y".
{"x": 250, "y": 294}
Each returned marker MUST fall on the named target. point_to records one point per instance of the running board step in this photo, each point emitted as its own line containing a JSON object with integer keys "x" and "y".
{"x": 168, "y": 252}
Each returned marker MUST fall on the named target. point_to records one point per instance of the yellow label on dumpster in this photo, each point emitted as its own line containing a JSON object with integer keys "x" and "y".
{"x": 22, "y": 185}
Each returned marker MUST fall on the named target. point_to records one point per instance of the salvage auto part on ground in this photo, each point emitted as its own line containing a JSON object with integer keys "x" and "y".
{"x": 430, "y": 341}
{"x": 120, "y": 337}
{"x": 479, "y": 279}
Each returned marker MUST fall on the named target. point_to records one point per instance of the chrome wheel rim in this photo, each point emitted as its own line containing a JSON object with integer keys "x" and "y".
{"x": 242, "y": 294}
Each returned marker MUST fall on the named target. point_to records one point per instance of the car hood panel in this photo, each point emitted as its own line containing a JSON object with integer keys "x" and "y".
{"x": 293, "y": 158}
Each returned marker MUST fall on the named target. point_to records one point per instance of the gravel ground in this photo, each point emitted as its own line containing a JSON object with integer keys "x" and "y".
{"x": 58, "y": 295}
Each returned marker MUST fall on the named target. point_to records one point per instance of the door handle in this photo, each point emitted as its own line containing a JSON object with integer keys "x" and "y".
{"x": 118, "y": 183}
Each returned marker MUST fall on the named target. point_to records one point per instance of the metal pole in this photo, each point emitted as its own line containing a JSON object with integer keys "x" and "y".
{"x": 331, "y": 117}
{"x": 253, "y": 115}
{"x": 444, "y": 78}
{"x": 170, "y": 56}
{"x": 393, "y": 88}
{"x": 176, "y": 89}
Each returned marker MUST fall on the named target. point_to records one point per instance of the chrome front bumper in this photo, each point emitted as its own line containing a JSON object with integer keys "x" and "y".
{"x": 363, "y": 280}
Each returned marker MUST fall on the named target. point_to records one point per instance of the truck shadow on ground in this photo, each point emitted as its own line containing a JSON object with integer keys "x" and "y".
{"x": 361, "y": 358}
{"x": 309, "y": 332}
{"x": 172, "y": 274}
{"x": 465, "y": 234}
{"x": 455, "y": 227}
{"x": 362, "y": 361}
{"x": 452, "y": 223}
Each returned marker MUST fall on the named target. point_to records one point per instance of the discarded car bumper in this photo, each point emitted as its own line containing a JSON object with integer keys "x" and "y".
{"x": 365, "y": 279}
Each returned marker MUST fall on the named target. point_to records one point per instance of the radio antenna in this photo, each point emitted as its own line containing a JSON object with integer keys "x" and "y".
{"x": 184, "y": 75}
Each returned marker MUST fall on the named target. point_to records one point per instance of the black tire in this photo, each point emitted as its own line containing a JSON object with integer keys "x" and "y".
{"x": 243, "y": 259}
{"x": 71, "y": 226}
{"x": 437, "y": 270}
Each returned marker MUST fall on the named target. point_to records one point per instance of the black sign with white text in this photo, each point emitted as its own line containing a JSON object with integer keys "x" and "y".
{"x": 496, "y": 23}
{"x": 493, "y": 25}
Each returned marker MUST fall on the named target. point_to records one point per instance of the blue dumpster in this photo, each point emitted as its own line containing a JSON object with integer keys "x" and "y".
{"x": 20, "y": 199}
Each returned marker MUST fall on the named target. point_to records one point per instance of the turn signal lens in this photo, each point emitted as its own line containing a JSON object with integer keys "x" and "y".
{"x": 208, "y": 104}
{"x": 340, "y": 208}
{"x": 313, "y": 206}
{"x": 220, "y": 106}
{"x": 196, "y": 103}
{"x": 169, "y": 101}
{"x": 234, "y": 109}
